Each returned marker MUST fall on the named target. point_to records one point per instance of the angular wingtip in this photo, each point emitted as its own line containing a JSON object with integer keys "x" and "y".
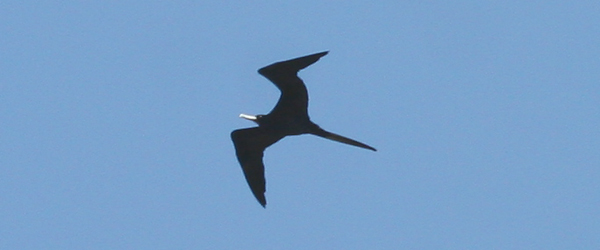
{"x": 321, "y": 54}
{"x": 292, "y": 65}
{"x": 262, "y": 200}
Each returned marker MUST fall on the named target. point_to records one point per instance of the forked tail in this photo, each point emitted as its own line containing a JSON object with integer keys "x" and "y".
{"x": 331, "y": 136}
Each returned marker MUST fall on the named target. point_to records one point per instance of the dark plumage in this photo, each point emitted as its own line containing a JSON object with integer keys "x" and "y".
{"x": 288, "y": 117}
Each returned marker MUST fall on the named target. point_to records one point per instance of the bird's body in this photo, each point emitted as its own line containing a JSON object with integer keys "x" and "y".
{"x": 288, "y": 117}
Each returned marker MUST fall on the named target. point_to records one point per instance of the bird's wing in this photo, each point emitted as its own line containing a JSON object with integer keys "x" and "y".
{"x": 250, "y": 144}
{"x": 294, "y": 96}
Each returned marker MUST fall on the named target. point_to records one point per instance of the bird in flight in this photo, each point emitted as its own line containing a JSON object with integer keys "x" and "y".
{"x": 288, "y": 117}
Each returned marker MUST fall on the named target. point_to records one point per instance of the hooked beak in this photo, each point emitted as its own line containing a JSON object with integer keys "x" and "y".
{"x": 248, "y": 117}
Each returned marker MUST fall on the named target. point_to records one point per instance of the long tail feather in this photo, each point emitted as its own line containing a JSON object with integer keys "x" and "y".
{"x": 342, "y": 139}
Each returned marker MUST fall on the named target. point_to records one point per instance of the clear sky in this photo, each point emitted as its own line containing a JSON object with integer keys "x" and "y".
{"x": 115, "y": 119}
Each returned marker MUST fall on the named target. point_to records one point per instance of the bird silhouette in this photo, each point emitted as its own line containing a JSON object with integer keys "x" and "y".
{"x": 288, "y": 117}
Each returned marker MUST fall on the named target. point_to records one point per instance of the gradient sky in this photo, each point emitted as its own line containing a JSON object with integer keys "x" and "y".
{"x": 115, "y": 119}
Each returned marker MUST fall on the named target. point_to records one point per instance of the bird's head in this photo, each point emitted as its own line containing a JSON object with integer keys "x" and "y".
{"x": 254, "y": 118}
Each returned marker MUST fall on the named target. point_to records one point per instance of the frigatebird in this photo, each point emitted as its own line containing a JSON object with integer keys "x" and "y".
{"x": 288, "y": 117}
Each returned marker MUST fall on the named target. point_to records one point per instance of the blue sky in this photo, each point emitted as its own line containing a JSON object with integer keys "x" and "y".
{"x": 115, "y": 121}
